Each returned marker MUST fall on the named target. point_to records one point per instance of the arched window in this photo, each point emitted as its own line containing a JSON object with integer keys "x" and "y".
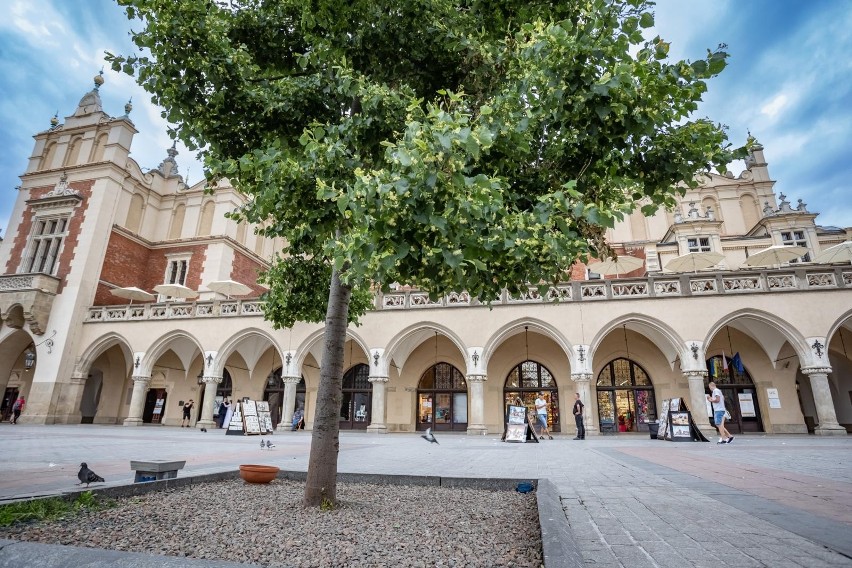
{"x": 750, "y": 211}
{"x": 205, "y": 225}
{"x": 626, "y": 400}
{"x": 49, "y": 155}
{"x": 73, "y": 155}
{"x": 134, "y": 213}
{"x": 98, "y": 148}
{"x": 737, "y": 386}
{"x": 177, "y": 221}
{"x": 525, "y": 382}
{"x": 357, "y": 398}
{"x": 442, "y": 399}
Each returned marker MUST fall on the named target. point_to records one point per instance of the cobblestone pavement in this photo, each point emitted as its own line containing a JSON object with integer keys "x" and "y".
{"x": 774, "y": 501}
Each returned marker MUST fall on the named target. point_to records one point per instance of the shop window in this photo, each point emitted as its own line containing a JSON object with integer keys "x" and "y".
{"x": 442, "y": 399}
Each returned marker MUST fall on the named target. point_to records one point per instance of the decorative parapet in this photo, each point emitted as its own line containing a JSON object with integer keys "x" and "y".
{"x": 740, "y": 282}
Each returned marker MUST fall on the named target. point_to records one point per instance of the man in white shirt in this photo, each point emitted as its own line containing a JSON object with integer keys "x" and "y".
{"x": 717, "y": 400}
{"x": 541, "y": 412}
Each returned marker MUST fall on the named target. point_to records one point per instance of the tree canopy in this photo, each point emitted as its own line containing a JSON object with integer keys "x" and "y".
{"x": 447, "y": 144}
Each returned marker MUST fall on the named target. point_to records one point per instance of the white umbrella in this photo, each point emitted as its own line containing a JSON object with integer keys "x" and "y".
{"x": 775, "y": 254}
{"x": 837, "y": 254}
{"x": 618, "y": 266}
{"x": 229, "y": 288}
{"x": 175, "y": 291}
{"x": 133, "y": 293}
{"x": 694, "y": 261}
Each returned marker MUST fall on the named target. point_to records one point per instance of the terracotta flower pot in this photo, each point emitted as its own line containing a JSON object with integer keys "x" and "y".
{"x": 252, "y": 473}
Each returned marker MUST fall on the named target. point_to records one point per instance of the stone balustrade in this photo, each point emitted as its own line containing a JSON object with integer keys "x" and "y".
{"x": 809, "y": 278}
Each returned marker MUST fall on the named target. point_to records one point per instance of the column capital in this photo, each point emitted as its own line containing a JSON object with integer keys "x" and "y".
{"x": 688, "y": 373}
{"x": 476, "y": 378}
{"x": 141, "y": 378}
{"x": 375, "y": 380}
{"x": 816, "y": 370}
{"x": 207, "y": 379}
{"x": 291, "y": 380}
{"x": 581, "y": 377}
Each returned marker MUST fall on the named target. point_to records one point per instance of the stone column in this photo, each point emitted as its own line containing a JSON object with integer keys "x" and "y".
{"x": 210, "y": 385}
{"x": 582, "y": 385}
{"x": 137, "y": 400}
{"x": 290, "y": 384}
{"x": 476, "y": 405}
{"x": 698, "y": 402}
{"x": 69, "y": 398}
{"x": 377, "y": 414}
{"x": 827, "y": 417}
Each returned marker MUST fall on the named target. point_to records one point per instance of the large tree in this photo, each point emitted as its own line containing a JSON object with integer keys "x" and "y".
{"x": 448, "y": 144}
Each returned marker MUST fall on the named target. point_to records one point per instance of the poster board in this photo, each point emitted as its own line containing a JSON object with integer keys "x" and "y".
{"x": 264, "y": 417}
{"x": 518, "y": 427}
{"x": 245, "y": 419}
{"x": 774, "y": 400}
{"x": 746, "y": 405}
{"x": 663, "y": 431}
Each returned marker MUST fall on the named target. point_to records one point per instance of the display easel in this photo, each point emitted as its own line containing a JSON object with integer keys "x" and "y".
{"x": 517, "y": 426}
{"x": 677, "y": 424}
{"x": 249, "y": 418}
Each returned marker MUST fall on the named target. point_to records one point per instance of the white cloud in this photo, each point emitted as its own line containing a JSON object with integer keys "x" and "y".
{"x": 776, "y": 105}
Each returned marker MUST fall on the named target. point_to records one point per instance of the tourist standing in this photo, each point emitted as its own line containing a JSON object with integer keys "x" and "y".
{"x": 578, "y": 417}
{"x": 717, "y": 402}
{"x": 187, "y": 417}
{"x": 541, "y": 412}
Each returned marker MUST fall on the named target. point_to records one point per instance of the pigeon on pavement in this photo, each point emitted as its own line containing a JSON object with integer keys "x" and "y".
{"x": 429, "y": 437}
{"x": 87, "y": 476}
{"x": 262, "y": 444}
{"x": 269, "y": 445}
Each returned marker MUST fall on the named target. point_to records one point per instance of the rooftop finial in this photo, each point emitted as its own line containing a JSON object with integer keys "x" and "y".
{"x": 129, "y": 106}
{"x": 55, "y": 120}
{"x": 99, "y": 79}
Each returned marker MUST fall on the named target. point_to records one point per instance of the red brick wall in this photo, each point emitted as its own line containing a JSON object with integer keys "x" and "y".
{"x": 69, "y": 246}
{"x": 246, "y": 270}
{"x": 129, "y": 263}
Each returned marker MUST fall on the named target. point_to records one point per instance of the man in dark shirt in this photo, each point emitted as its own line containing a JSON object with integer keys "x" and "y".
{"x": 578, "y": 417}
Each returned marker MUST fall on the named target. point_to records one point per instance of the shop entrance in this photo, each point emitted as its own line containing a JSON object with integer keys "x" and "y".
{"x": 357, "y": 398}
{"x": 442, "y": 399}
{"x": 740, "y": 394}
{"x": 155, "y": 406}
{"x": 524, "y": 383}
{"x": 626, "y": 400}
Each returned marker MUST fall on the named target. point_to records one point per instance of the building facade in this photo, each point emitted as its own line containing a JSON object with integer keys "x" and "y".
{"x": 88, "y": 224}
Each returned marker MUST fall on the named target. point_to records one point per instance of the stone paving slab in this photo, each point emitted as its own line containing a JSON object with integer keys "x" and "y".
{"x": 630, "y": 501}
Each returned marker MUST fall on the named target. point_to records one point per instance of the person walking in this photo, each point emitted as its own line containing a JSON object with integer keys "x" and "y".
{"x": 578, "y": 417}
{"x": 187, "y": 417}
{"x": 541, "y": 412}
{"x": 17, "y": 408}
{"x": 717, "y": 402}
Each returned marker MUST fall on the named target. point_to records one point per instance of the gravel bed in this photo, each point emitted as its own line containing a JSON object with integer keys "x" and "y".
{"x": 375, "y": 526}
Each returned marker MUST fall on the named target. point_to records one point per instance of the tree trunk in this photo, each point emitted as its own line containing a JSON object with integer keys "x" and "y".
{"x": 321, "y": 485}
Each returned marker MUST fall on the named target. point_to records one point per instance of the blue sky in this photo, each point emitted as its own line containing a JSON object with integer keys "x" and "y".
{"x": 789, "y": 81}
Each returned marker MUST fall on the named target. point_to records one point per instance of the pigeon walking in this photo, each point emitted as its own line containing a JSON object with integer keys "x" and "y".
{"x": 87, "y": 476}
{"x": 262, "y": 444}
{"x": 269, "y": 445}
{"x": 429, "y": 437}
